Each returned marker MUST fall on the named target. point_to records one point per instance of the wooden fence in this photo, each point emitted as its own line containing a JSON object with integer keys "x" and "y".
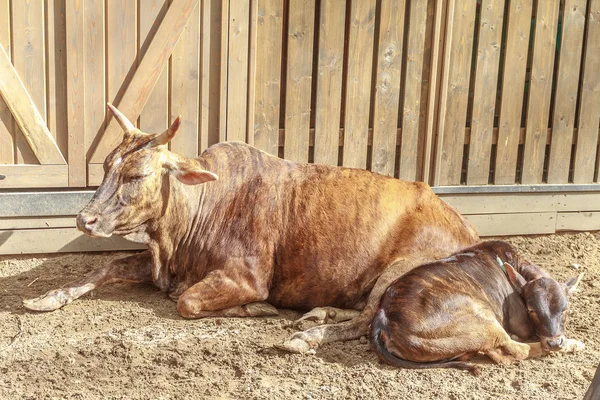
{"x": 476, "y": 95}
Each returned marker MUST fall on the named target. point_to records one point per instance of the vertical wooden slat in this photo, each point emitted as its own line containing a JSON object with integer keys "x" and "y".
{"x": 455, "y": 91}
{"x": 268, "y": 75}
{"x": 358, "y": 84}
{"x": 237, "y": 82}
{"x": 185, "y": 87}
{"x": 252, "y": 52}
{"x": 387, "y": 86}
{"x": 513, "y": 88}
{"x": 409, "y": 148}
{"x": 299, "y": 79}
{"x": 210, "y": 82}
{"x": 7, "y": 132}
{"x": 29, "y": 61}
{"x": 540, "y": 90}
{"x": 56, "y": 53}
{"x": 486, "y": 80}
{"x": 75, "y": 92}
{"x": 155, "y": 115}
{"x": 95, "y": 78}
{"x": 566, "y": 91}
{"x": 121, "y": 47}
{"x": 224, "y": 71}
{"x": 589, "y": 112}
{"x": 329, "y": 81}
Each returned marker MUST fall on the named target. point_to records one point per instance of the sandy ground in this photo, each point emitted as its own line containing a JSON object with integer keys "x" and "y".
{"x": 128, "y": 342}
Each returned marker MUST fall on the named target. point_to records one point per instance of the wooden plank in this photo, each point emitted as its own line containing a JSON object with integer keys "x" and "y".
{"x": 589, "y": 111}
{"x": 484, "y": 92}
{"x": 95, "y": 79}
{"x": 30, "y": 121}
{"x": 76, "y": 92}
{"x": 224, "y": 76}
{"x": 268, "y": 75}
{"x": 387, "y": 86}
{"x": 60, "y": 240}
{"x": 185, "y": 87}
{"x": 566, "y": 91}
{"x": 37, "y": 222}
{"x": 148, "y": 71}
{"x": 579, "y": 202}
{"x": 29, "y": 61}
{"x": 358, "y": 83}
{"x": 540, "y": 90}
{"x": 502, "y": 203}
{"x": 251, "y": 110}
{"x": 329, "y": 81}
{"x": 155, "y": 115}
{"x": 7, "y": 133}
{"x": 237, "y": 82}
{"x": 211, "y": 70}
{"x": 299, "y": 79}
{"x": 578, "y": 221}
{"x": 34, "y": 176}
{"x": 513, "y": 224}
{"x": 56, "y": 94}
{"x": 121, "y": 48}
{"x": 513, "y": 89}
{"x": 455, "y": 91}
{"x": 411, "y": 114}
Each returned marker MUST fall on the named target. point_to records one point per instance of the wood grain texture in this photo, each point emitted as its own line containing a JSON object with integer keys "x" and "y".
{"x": 147, "y": 73}
{"x": 76, "y": 92}
{"x": 578, "y": 221}
{"x": 33, "y": 129}
{"x": 358, "y": 82}
{"x": 387, "y": 86}
{"x": 299, "y": 79}
{"x": 329, "y": 81}
{"x": 455, "y": 91}
{"x": 411, "y": 143}
{"x": 121, "y": 48}
{"x": 501, "y": 203}
{"x": 34, "y": 176}
{"x": 484, "y": 92}
{"x": 513, "y": 90}
{"x": 513, "y": 224}
{"x": 540, "y": 90}
{"x": 7, "y": 128}
{"x": 37, "y": 222}
{"x": 566, "y": 91}
{"x": 185, "y": 87}
{"x": 589, "y": 111}
{"x": 269, "y": 32}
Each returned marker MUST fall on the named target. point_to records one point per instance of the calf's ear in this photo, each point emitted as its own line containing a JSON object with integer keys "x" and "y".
{"x": 514, "y": 277}
{"x": 572, "y": 283}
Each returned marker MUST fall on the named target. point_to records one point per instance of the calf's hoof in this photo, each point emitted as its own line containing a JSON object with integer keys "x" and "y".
{"x": 325, "y": 315}
{"x": 260, "y": 309}
{"x": 295, "y": 345}
{"x": 53, "y": 300}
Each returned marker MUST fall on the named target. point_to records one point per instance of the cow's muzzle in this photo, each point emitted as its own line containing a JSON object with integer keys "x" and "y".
{"x": 556, "y": 343}
{"x": 87, "y": 224}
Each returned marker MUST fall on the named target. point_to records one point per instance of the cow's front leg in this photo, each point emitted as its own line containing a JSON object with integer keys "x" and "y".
{"x": 132, "y": 269}
{"x": 218, "y": 295}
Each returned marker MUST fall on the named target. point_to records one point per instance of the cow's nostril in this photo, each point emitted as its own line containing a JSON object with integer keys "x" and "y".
{"x": 91, "y": 221}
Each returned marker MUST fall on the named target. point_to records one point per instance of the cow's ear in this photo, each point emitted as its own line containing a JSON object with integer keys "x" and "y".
{"x": 188, "y": 171}
{"x": 514, "y": 277}
{"x": 572, "y": 283}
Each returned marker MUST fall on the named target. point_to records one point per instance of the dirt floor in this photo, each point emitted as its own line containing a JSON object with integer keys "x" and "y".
{"x": 128, "y": 342}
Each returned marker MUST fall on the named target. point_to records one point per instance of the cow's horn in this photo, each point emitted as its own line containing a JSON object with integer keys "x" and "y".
{"x": 169, "y": 134}
{"x": 121, "y": 119}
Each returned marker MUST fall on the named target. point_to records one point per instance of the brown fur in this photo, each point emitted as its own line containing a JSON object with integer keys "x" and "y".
{"x": 294, "y": 235}
{"x": 467, "y": 303}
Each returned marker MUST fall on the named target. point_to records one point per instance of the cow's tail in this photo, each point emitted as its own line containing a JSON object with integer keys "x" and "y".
{"x": 380, "y": 326}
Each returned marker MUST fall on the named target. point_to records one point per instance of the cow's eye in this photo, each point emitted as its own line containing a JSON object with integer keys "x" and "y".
{"x": 134, "y": 178}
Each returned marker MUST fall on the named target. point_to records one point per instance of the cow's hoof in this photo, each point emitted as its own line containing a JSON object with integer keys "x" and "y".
{"x": 260, "y": 309}
{"x": 294, "y": 345}
{"x": 51, "y": 301}
{"x": 573, "y": 346}
{"x": 325, "y": 315}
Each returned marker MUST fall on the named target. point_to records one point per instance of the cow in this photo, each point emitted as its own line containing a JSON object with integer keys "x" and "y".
{"x": 441, "y": 314}
{"x": 237, "y": 232}
{"x": 593, "y": 392}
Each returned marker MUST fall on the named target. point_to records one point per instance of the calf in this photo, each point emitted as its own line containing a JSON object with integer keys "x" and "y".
{"x": 440, "y": 314}
{"x": 237, "y": 232}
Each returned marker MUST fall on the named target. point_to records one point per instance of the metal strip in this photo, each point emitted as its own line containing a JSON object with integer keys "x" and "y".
{"x": 34, "y": 204}
{"x": 593, "y": 187}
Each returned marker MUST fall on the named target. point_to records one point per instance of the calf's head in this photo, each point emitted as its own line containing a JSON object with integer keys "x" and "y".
{"x": 547, "y": 304}
{"x": 136, "y": 180}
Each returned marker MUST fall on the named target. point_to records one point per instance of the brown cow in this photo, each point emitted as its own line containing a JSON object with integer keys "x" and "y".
{"x": 593, "y": 392}
{"x": 468, "y": 303}
{"x": 237, "y": 231}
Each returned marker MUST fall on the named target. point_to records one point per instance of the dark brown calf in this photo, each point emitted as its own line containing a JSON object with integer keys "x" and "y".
{"x": 238, "y": 231}
{"x": 469, "y": 303}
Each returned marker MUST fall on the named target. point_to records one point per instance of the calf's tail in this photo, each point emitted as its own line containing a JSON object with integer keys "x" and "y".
{"x": 379, "y": 326}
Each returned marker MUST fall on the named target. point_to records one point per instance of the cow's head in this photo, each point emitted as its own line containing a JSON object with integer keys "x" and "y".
{"x": 136, "y": 177}
{"x": 546, "y": 302}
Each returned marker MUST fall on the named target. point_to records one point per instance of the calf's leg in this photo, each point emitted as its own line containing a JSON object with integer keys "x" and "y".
{"x": 133, "y": 269}
{"x": 217, "y": 295}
